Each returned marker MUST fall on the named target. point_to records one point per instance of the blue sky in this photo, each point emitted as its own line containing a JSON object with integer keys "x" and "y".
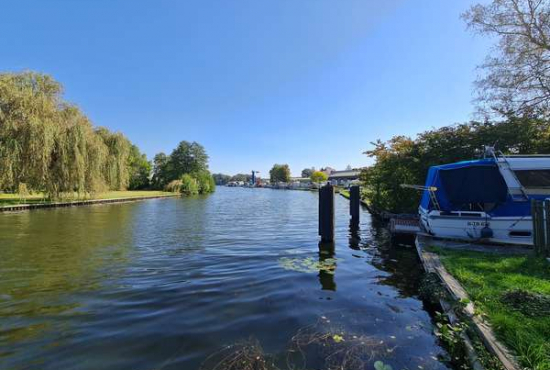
{"x": 257, "y": 82}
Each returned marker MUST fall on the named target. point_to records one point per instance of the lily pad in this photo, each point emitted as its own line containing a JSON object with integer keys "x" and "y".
{"x": 308, "y": 264}
{"x": 379, "y": 365}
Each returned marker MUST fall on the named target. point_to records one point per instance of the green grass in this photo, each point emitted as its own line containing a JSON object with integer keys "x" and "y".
{"x": 486, "y": 277}
{"x": 11, "y": 199}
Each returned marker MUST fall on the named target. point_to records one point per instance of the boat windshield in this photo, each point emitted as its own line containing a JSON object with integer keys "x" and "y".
{"x": 534, "y": 179}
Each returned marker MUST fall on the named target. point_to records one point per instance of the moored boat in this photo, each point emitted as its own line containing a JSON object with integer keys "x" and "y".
{"x": 485, "y": 200}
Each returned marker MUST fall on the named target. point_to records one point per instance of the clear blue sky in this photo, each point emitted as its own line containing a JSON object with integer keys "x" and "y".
{"x": 257, "y": 82}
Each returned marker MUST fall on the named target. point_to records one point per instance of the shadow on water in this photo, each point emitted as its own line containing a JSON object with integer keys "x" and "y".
{"x": 326, "y": 256}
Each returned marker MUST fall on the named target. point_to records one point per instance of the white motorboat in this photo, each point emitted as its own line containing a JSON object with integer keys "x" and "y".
{"x": 485, "y": 200}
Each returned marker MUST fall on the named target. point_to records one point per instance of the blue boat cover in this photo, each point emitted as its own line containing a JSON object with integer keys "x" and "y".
{"x": 459, "y": 184}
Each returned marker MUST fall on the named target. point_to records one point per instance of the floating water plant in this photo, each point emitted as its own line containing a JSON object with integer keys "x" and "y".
{"x": 326, "y": 346}
{"x": 379, "y": 365}
{"x": 246, "y": 355}
{"x": 308, "y": 265}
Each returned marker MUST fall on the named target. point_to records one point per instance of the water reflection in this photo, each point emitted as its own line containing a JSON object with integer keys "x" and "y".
{"x": 399, "y": 261}
{"x": 354, "y": 235}
{"x": 326, "y": 258}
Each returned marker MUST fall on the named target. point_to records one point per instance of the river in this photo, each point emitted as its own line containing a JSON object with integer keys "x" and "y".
{"x": 180, "y": 283}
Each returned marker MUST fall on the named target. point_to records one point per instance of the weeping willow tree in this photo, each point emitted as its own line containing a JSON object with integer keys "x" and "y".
{"x": 116, "y": 167}
{"x": 50, "y": 145}
{"x": 29, "y": 125}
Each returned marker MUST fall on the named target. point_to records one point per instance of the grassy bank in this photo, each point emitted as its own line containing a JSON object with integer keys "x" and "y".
{"x": 12, "y": 199}
{"x": 513, "y": 293}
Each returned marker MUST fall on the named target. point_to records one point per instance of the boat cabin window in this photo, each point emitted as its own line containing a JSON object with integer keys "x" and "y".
{"x": 534, "y": 178}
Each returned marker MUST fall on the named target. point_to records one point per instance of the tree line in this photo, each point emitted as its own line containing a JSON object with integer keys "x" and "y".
{"x": 278, "y": 173}
{"x": 404, "y": 160}
{"x": 48, "y": 145}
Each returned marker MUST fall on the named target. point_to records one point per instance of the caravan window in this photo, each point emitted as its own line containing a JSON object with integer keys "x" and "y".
{"x": 534, "y": 178}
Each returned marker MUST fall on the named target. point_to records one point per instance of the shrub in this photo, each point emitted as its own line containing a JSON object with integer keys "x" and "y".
{"x": 205, "y": 182}
{"x": 174, "y": 186}
{"x": 189, "y": 185}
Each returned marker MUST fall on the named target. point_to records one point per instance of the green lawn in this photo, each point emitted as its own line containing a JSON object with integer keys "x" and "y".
{"x": 10, "y": 199}
{"x": 521, "y": 319}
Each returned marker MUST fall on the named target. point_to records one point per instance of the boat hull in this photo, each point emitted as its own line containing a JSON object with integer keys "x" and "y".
{"x": 515, "y": 230}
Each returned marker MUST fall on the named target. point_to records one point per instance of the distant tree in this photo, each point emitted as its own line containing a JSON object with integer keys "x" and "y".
{"x": 279, "y": 173}
{"x": 242, "y": 177}
{"x": 161, "y": 171}
{"x": 327, "y": 170}
{"x": 517, "y": 78}
{"x": 319, "y": 177}
{"x": 140, "y": 169}
{"x": 306, "y": 172}
{"x": 221, "y": 179}
{"x": 188, "y": 158}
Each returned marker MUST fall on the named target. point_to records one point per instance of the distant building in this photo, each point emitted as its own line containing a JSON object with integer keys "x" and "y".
{"x": 344, "y": 178}
{"x": 299, "y": 183}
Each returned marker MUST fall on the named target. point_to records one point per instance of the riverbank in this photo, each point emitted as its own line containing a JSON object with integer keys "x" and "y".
{"x": 13, "y": 202}
{"x": 511, "y": 293}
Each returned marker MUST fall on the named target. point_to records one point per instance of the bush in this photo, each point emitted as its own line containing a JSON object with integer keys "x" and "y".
{"x": 189, "y": 185}
{"x": 403, "y": 160}
{"x": 174, "y": 186}
{"x": 206, "y": 183}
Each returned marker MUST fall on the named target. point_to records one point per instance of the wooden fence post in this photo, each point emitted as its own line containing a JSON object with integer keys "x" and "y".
{"x": 545, "y": 252}
{"x": 326, "y": 213}
{"x": 540, "y": 212}
{"x": 535, "y": 215}
{"x": 354, "y": 202}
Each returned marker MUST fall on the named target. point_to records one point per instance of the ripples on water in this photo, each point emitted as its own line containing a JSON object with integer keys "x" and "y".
{"x": 165, "y": 283}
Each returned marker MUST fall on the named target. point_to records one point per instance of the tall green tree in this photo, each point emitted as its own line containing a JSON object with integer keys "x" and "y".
{"x": 187, "y": 158}
{"x": 140, "y": 169}
{"x": 161, "y": 171}
{"x": 279, "y": 173}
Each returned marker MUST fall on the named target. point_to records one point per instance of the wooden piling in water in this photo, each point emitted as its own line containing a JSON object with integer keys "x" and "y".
{"x": 326, "y": 213}
{"x": 354, "y": 202}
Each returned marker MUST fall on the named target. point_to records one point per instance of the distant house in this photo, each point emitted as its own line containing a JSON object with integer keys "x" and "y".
{"x": 344, "y": 178}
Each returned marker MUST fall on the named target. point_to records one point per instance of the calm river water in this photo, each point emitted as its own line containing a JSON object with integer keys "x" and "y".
{"x": 164, "y": 284}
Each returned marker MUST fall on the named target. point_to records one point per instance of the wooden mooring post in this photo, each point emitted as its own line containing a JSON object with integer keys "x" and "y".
{"x": 354, "y": 203}
{"x": 540, "y": 212}
{"x": 326, "y": 213}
